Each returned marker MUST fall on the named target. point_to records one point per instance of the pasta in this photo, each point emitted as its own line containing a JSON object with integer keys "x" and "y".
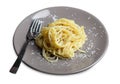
{"x": 60, "y": 39}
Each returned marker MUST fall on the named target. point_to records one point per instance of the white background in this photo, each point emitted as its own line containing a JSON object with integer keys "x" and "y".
{"x": 107, "y": 71}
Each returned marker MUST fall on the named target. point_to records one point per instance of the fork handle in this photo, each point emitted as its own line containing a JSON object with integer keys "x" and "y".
{"x": 17, "y": 63}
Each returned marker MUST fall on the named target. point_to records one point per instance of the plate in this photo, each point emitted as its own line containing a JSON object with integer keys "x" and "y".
{"x": 95, "y": 46}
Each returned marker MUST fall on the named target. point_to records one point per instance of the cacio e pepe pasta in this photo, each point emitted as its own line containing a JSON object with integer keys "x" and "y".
{"x": 60, "y": 39}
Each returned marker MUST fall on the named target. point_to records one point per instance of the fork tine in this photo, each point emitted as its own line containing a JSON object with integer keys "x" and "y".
{"x": 35, "y": 25}
{"x": 32, "y": 25}
{"x": 38, "y": 26}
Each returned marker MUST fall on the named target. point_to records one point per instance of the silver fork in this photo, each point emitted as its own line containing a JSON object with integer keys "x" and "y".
{"x": 31, "y": 34}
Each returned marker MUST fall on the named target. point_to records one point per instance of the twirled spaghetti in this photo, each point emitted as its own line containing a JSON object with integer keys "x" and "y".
{"x": 61, "y": 39}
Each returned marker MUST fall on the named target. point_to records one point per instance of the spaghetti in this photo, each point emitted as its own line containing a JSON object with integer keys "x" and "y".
{"x": 61, "y": 39}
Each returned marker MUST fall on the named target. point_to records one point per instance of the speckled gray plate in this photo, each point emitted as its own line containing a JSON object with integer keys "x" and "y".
{"x": 95, "y": 46}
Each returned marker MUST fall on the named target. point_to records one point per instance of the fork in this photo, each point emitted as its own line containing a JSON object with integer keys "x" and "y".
{"x": 31, "y": 34}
